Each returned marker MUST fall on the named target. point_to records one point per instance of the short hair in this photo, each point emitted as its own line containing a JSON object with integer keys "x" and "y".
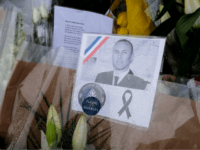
{"x": 124, "y": 40}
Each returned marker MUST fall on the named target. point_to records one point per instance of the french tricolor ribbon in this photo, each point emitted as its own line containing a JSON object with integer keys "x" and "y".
{"x": 93, "y": 48}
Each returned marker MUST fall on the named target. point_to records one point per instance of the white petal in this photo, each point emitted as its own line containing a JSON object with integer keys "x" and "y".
{"x": 36, "y": 15}
{"x": 80, "y": 134}
{"x": 44, "y": 144}
{"x": 190, "y": 7}
{"x": 43, "y": 11}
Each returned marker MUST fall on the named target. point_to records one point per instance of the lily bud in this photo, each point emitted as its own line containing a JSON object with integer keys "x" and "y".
{"x": 190, "y": 7}
{"x": 43, "y": 11}
{"x": 36, "y": 15}
{"x": 80, "y": 134}
{"x": 53, "y": 132}
{"x": 44, "y": 144}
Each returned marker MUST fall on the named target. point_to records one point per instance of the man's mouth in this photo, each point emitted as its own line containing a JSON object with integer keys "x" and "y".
{"x": 119, "y": 62}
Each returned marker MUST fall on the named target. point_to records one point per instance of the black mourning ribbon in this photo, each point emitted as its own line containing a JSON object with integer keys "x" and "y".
{"x": 126, "y": 103}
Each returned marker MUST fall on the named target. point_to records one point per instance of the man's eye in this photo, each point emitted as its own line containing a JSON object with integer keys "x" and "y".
{"x": 116, "y": 52}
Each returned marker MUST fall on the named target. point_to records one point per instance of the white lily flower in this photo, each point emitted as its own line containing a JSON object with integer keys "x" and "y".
{"x": 53, "y": 126}
{"x": 190, "y": 7}
{"x": 43, "y": 11}
{"x": 36, "y": 15}
{"x": 80, "y": 134}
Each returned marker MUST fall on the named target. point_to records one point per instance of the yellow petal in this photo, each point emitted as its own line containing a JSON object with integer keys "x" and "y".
{"x": 80, "y": 134}
{"x": 122, "y": 19}
{"x": 138, "y": 21}
{"x": 122, "y": 30}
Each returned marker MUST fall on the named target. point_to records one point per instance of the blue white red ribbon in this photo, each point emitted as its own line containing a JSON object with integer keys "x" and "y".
{"x": 94, "y": 47}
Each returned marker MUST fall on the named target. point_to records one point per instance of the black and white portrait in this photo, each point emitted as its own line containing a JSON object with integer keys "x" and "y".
{"x": 123, "y": 62}
{"x": 122, "y": 75}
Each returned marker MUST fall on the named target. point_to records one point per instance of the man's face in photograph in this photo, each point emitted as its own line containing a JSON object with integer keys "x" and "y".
{"x": 122, "y": 55}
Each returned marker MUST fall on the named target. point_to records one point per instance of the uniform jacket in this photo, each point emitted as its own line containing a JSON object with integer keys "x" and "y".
{"x": 129, "y": 81}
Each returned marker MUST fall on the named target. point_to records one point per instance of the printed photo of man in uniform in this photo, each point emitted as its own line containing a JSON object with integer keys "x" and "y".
{"x": 122, "y": 57}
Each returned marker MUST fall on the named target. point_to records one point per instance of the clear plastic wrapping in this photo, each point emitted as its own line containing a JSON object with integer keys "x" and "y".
{"x": 174, "y": 123}
{"x": 35, "y": 84}
{"x": 11, "y": 39}
{"x": 38, "y": 80}
{"x": 33, "y": 65}
{"x": 16, "y": 27}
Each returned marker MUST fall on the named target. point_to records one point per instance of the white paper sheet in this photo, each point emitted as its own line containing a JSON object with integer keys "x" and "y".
{"x": 97, "y": 64}
{"x": 69, "y": 24}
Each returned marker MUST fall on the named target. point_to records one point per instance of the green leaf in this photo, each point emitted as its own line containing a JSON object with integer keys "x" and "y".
{"x": 165, "y": 9}
{"x": 102, "y": 143}
{"x": 166, "y": 27}
{"x": 184, "y": 24}
{"x": 98, "y": 134}
{"x": 191, "y": 50}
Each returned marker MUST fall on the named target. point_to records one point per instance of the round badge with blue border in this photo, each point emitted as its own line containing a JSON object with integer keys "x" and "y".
{"x": 91, "y": 106}
{"x": 92, "y": 98}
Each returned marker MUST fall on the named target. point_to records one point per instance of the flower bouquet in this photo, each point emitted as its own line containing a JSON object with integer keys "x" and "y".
{"x": 36, "y": 107}
{"x": 39, "y": 94}
{"x": 42, "y": 25}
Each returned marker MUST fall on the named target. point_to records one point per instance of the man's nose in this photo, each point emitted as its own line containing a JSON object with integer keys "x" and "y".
{"x": 119, "y": 55}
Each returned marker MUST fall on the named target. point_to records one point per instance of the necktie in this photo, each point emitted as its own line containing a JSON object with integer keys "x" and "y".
{"x": 116, "y": 80}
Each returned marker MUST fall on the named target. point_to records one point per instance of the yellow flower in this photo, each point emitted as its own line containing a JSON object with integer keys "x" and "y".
{"x": 138, "y": 21}
{"x": 190, "y": 7}
{"x": 80, "y": 134}
{"x": 122, "y": 19}
{"x": 122, "y": 30}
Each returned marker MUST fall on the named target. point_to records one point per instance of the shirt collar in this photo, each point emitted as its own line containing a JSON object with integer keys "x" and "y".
{"x": 121, "y": 75}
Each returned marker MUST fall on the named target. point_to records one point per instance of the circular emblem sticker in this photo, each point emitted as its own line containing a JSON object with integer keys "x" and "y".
{"x": 91, "y": 106}
{"x": 92, "y": 90}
